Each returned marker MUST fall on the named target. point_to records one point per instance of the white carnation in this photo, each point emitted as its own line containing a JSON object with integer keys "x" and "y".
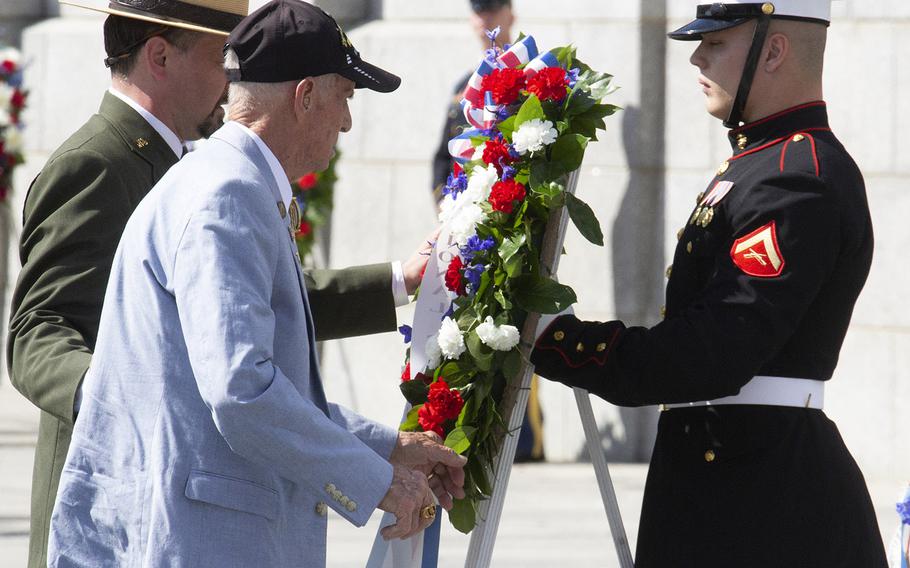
{"x": 498, "y": 337}
{"x": 6, "y": 96}
{"x": 480, "y": 183}
{"x": 451, "y": 340}
{"x": 5, "y": 119}
{"x": 464, "y": 223}
{"x": 533, "y": 135}
{"x": 13, "y": 140}
{"x": 454, "y": 206}
{"x": 448, "y": 208}
{"x": 434, "y": 355}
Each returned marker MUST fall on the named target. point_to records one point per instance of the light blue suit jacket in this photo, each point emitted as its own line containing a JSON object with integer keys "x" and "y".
{"x": 204, "y": 436}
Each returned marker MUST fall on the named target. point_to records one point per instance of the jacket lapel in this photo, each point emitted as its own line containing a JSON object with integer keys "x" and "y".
{"x": 138, "y": 134}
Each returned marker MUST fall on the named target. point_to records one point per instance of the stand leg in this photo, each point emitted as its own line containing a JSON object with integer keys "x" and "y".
{"x": 602, "y": 471}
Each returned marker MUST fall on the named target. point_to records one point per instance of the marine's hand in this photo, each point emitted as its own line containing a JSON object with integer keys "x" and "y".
{"x": 408, "y": 498}
{"x": 444, "y": 468}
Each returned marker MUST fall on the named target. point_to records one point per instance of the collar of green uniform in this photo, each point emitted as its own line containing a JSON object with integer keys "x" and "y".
{"x": 137, "y": 133}
{"x": 804, "y": 117}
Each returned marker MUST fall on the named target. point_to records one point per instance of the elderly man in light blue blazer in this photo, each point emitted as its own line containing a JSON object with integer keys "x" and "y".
{"x": 205, "y": 438}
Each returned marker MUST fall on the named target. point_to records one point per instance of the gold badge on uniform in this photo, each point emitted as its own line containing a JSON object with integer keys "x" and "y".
{"x": 294, "y": 212}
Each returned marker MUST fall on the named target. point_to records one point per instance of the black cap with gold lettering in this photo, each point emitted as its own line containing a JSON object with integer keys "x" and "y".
{"x": 288, "y": 40}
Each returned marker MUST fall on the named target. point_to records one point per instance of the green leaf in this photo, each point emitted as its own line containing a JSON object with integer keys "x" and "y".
{"x": 541, "y": 295}
{"x": 410, "y": 423}
{"x": 463, "y": 516}
{"x": 568, "y": 151}
{"x": 530, "y": 110}
{"x": 540, "y": 173}
{"x": 503, "y": 301}
{"x": 584, "y": 219}
{"x": 459, "y": 439}
{"x": 507, "y": 127}
{"x": 483, "y": 355}
{"x": 414, "y": 392}
{"x": 510, "y": 246}
{"x": 511, "y": 365}
{"x": 479, "y": 475}
{"x": 513, "y": 265}
{"x": 548, "y": 190}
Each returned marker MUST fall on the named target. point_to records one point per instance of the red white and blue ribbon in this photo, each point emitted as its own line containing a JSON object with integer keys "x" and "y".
{"x": 522, "y": 52}
{"x": 473, "y": 93}
{"x": 461, "y": 148}
{"x": 545, "y": 59}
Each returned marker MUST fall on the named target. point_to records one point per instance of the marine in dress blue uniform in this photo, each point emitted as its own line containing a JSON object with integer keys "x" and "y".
{"x": 747, "y": 470}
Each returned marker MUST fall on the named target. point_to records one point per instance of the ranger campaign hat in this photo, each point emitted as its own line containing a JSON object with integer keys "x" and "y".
{"x": 288, "y": 40}
{"x": 210, "y": 16}
{"x": 722, "y": 15}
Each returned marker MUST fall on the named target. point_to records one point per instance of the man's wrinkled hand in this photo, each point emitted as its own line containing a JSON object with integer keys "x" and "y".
{"x": 407, "y": 498}
{"x": 413, "y": 267}
{"x": 444, "y": 468}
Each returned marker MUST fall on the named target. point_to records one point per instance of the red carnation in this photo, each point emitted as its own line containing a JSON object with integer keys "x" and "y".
{"x": 496, "y": 152}
{"x": 406, "y": 374}
{"x": 454, "y": 281}
{"x": 8, "y": 66}
{"x": 430, "y": 421}
{"x": 505, "y": 84}
{"x": 17, "y": 100}
{"x": 549, "y": 84}
{"x": 504, "y": 195}
{"x": 446, "y": 402}
{"x": 304, "y": 229}
{"x": 308, "y": 181}
{"x": 442, "y": 404}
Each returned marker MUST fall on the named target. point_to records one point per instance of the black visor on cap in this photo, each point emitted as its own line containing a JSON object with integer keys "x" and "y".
{"x": 367, "y": 75}
{"x": 716, "y": 17}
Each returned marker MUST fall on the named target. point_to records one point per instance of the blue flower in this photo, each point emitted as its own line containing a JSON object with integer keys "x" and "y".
{"x": 472, "y": 274}
{"x": 405, "y": 330}
{"x": 455, "y": 184}
{"x": 508, "y": 172}
{"x": 493, "y": 34}
{"x": 475, "y": 245}
{"x": 573, "y": 76}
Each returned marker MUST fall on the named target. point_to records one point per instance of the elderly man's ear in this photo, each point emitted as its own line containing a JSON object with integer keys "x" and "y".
{"x": 303, "y": 95}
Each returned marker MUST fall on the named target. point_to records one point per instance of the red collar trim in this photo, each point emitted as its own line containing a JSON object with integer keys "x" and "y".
{"x": 777, "y": 115}
{"x": 777, "y": 141}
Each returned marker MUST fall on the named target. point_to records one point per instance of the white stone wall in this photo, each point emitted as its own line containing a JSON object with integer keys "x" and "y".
{"x": 641, "y": 179}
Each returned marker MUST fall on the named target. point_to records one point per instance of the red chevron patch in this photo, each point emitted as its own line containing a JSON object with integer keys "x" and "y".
{"x": 758, "y": 253}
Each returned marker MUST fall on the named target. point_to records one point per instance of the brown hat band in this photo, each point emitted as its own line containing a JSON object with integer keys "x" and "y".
{"x": 182, "y": 11}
